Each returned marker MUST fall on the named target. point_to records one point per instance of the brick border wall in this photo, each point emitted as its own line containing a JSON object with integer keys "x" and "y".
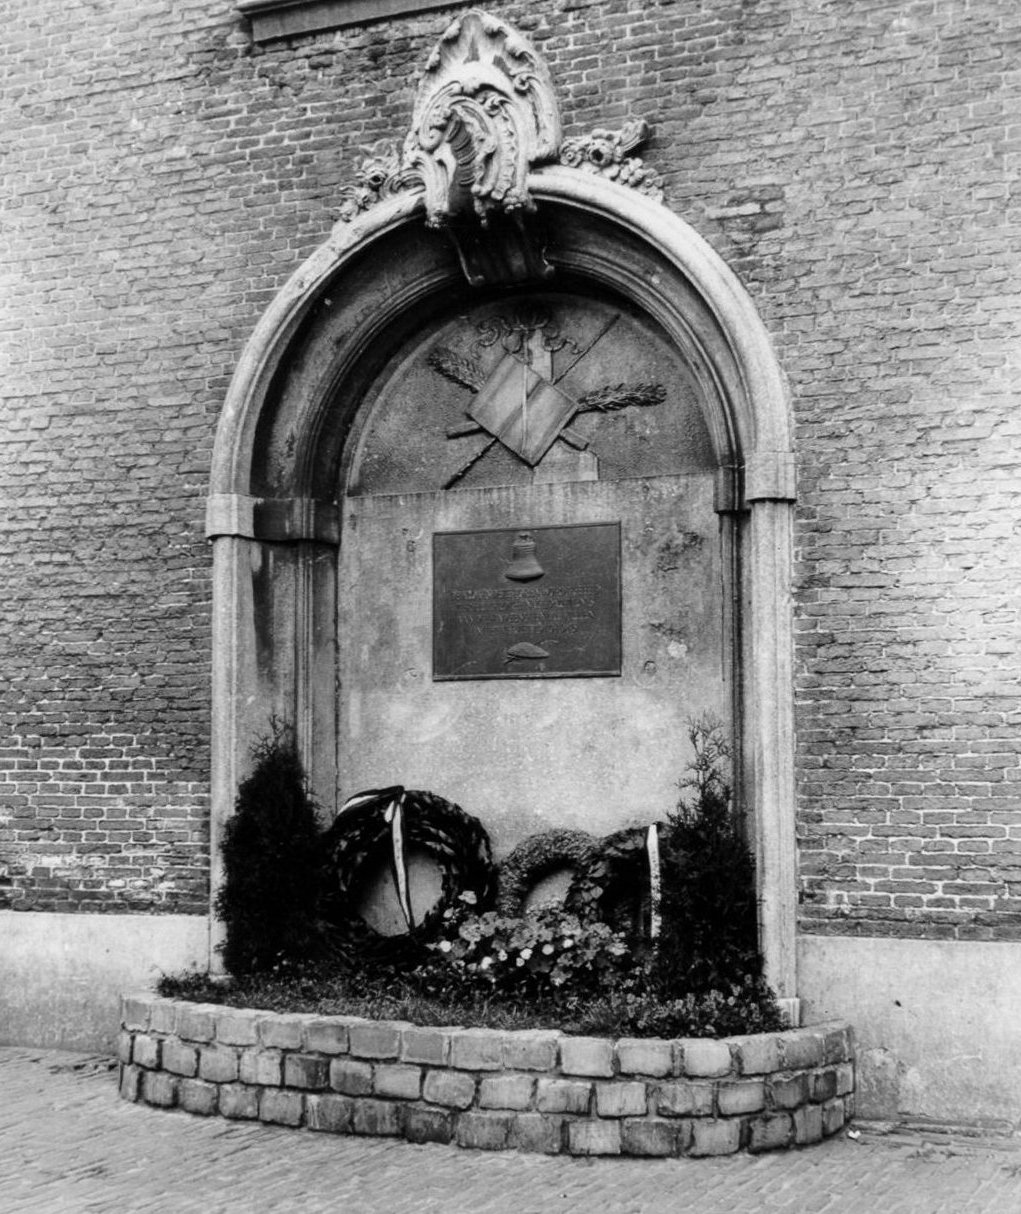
{"x": 486, "y": 1088}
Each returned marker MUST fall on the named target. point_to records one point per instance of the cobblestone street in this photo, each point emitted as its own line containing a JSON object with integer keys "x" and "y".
{"x": 68, "y": 1143}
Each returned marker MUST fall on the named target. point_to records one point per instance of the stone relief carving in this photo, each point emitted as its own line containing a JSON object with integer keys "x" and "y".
{"x": 485, "y": 115}
{"x": 606, "y": 153}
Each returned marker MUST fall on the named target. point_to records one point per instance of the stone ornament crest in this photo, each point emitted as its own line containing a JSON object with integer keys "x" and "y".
{"x": 485, "y": 114}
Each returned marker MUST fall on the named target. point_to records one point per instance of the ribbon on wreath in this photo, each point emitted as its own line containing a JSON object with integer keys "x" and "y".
{"x": 393, "y": 816}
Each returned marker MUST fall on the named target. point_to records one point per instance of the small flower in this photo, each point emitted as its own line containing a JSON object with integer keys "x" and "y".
{"x": 568, "y": 942}
{"x": 485, "y": 963}
{"x": 525, "y": 954}
{"x": 502, "y": 955}
{"x": 547, "y": 949}
{"x": 469, "y": 897}
{"x": 520, "y": 961}
{"x": 445, "y": 946}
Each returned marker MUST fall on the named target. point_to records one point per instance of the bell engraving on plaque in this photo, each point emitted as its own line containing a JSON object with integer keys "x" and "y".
{"x": 501, "y": 612}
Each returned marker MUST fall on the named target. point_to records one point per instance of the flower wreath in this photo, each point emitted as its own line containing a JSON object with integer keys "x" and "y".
{"x": 537, "y": 857}
{"x": 384, "y": 823}
{"x": 620, "y": 885}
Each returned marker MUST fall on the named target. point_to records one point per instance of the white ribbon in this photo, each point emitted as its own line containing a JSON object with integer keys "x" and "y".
{"x": 655, "y": 882}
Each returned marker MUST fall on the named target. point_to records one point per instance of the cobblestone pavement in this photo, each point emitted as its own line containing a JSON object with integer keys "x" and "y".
{"x": 68, "y": 1143}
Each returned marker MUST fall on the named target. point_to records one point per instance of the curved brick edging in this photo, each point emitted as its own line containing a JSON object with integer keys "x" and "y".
{"x": 487, "y": 1088}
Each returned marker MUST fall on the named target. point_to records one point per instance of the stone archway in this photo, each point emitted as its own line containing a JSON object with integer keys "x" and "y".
{"x": 292, "y": 444}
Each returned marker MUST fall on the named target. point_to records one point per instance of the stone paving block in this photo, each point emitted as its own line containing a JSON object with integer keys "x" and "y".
{"x": 284, "y": 1031}
{"x": 770, "y": 1132}
{"x": 477, "y": 1050}
{"x": 281, "y": 1107}
{"x": 329, "y": 1113}
{"x": 563, "y": 1096}
{"x": 428, "y": 1046}
{"x": 218, "y": 1063}
{"x": 833, "y": 1116}
{"x": 382, "y": 1040}
{"x": 637, "y": 1056}
{"x": 758, "y": 1054}
{"x": 308, "y": 1071}
{"x": 351, "y": 1076}
{"x": 653, "y": 1136}
{"x": 734, "y": 1097}
{"x": 802, "y": 1050}
{"x": 327, "y": 1036}
{"x": 237, "y": 1026}
{"x": 456, "y": 1091}
{"x": 379, "y": 1118}
{"x": 146, "y": 1050}
{"x": 684, "y": 1099}
{"x": 124, "y": 1043}
{"x": 398, "y": 1081}
{"x": 423, "y": 1123}
{"x": 538, "y": 1132}
{"x": 703, "y": 1058}
{"x": 531, "y": 1051}
{"x": 135, "y": 1010}
{"x": 239, "y": 1102}
{"x": 788, "y": 1091}
{"x": 807, "y": 1124}
{"x": 163, "y": 1016}
{"x": 261, "y": 1066}
{"x": 197, "y": 1096}
{"x": 712, "y": 1137}
{"x": 823, "y": 1085}
{"x": 130, "y": 1083}
{"x": 484, "y": 1131}
{"x": 506, "y": 1091}
{"x": 180, "y": 1057}
{"x": 586, "y": 1056}
{"x": 593, "y": 1137}
{"x": 159, "y": 1088}
{"x": 196, "y": 1022}
{"x": 626, "y": 1099}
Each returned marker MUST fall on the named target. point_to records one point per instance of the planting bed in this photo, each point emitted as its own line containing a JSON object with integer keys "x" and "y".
{"x": 486, "y": 1088}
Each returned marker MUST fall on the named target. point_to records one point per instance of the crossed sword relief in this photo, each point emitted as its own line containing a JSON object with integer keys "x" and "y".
{"x": 519, "y": 403}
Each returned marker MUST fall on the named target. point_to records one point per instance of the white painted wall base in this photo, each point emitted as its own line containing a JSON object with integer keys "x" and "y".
{"x": 937, "y": 1023}
{"x": 61, "y": 976}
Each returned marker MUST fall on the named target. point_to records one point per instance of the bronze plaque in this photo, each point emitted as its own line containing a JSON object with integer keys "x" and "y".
{"x": 527, "y": 602}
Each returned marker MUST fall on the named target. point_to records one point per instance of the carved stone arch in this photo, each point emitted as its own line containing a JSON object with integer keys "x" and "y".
{"x": 274, "y": 516}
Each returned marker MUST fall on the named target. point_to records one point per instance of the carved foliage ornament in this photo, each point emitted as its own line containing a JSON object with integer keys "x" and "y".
{"x": 485, "y": 115}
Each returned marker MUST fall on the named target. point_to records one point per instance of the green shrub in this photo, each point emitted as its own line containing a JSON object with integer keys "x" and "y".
{"x": 271, "y": 858}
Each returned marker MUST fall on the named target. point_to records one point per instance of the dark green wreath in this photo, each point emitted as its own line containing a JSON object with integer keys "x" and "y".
{"x": 537, "y": 857}
{"x": 614, "y": 887}
{"x": 361, "y": 837}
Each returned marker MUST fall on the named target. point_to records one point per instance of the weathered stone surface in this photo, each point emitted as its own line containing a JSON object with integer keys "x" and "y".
{"x": 237, "y": 1026}
{"x": 802, "y": 1050}
{"x": 807, "y": 1124}
{"x": 262, "y": 1066}
{"x": 788, "y": 1091}
{"x": 711, "y": 1137}
{"x": 428, "y": 1046}
{"x": 823, "y": 1085}
{"x": 653, "y": 1136}
{"x": 329, "y": 1113}
{"x": 159, "y": 1088}
{"x": 351, "y": 1076}
{"x": 506, "y": 1092}
{"x": 218, "y": 1063}
{"x": 196, "y": 1021}
{"x": 282, "y": 1031}
{"x": 539, "y": 1132}
{"x": 146, "y": 1051}
{"x": 684, "y": 1099}
{"x": 135, "y": 1012}
{"x": 451, "y": 1088}
{"x": 281, "y": 1107}
{"x": 740, "y": 1097}
{"x": 758, "y": 1054}
{"x": 327, "y": 1036}
{"x": 398, "y": 1081}
{"x": 770, "y": 1132}
{"x": 424, "y": 1123}
{"x": 476, "y": 1049}
{"x": 530, "y": 1051}
{"x": 180, "y": 1057}
{"x": 163, "y": 1016}
{"x": 638, "y": 1056}
{"x": 586, "y": 1056}
{"x": 130, "y": 1083}
{"x": 370, "y": 1040}
{"x": 379, "y": 1118}
{"x": 485, "y": 1131}
{"x": 197, "y": 1096}
{"x": 563, "y": 1096}
{"x": 309, "y": 1071}
{"x": 594, "y": 1137}
{"x": 239, "y": 1101}
{"x": 833, "y": 1116}
{"x": 624, "y": 1099}
{"x": 705, "y": 1058}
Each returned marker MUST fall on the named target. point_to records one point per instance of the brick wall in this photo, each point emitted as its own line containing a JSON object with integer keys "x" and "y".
{"x": 856, "y": 164}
